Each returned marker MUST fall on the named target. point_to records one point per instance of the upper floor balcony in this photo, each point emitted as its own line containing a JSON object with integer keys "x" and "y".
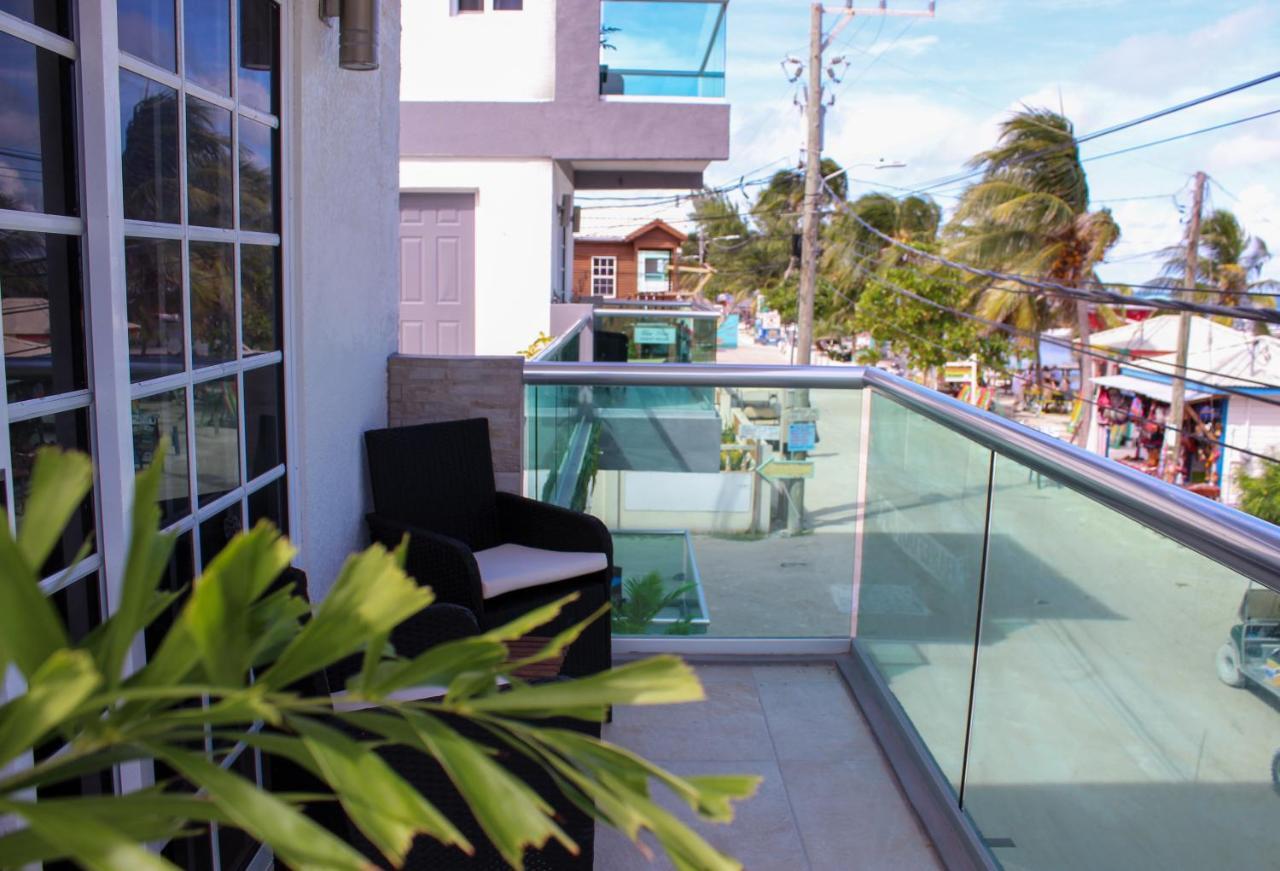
{"x": 663, "y": 48}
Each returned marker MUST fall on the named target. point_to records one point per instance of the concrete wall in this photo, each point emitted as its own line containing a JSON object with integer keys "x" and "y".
{"x": 514, "y": 230}
{"x": 429, "y": 389}
{"x": 478, "y": 56}
{"x": 342, "y": 241}
{"x": 562, "y": 232}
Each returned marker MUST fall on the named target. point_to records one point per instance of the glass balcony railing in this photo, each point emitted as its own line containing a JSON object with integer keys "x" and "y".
{"x": 662, "y": 48}
{"x": 655, "y": 336}
{"x": 1090, "y": 658}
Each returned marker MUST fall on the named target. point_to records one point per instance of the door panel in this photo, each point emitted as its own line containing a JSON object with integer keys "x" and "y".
{"x": 437, "y": 274}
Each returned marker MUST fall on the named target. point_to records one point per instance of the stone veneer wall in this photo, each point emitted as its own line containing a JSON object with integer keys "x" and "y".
{"x": 428, "y": 389}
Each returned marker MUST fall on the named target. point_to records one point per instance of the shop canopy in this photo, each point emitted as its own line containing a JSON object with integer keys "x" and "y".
{"x": 1160, "y": 391}
{"x": 1159, "y": 335}
{"x": 1250, "y": 364}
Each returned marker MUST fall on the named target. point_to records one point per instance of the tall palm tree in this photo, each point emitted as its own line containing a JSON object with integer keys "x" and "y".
{"x": 1229, "y": 264}
{"x": 849, "y": 247}
{"x": 1029, "y": 214}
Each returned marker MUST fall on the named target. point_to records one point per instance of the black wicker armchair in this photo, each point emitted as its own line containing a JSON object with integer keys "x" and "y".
{"x": 498, "y": 554}
{"x": 436, "y": 625}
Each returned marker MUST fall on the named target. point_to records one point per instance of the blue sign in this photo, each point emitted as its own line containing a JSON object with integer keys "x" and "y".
{"x": 802, "y": 436}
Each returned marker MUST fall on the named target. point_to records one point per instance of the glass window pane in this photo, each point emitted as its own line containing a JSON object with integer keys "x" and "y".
{"x": 470, "y": 5}
{"x": 49, "y": 14}
{"x": 208, "y": 164}
{"x": 217, "y": 532}
{"x": 213, "y": 303}
{"x": 148, "y": 30}
{"x": 208, "y": 43}
{"x": 80, "y": 606}
{"x": 177, "y": 577}
{"x": 236, "y": 849}
{"x": 508, "y": 5}
{"x": 149, "y": 143}
{"x": 217, "y": 427}
{"x": 259, "y": 299}
{"x": 270, "y": 503}
{"x": 68, "y": 430}
{"x": 257, "y": 176}
{"x": 194, "y": 852}
{"x": 259, "y": 54}
{"x": 40, "y": 287}
{"x": 37, "y": 130}
{"x": 153, "y": 282}
{"x": 158, "y": 417}
{"x": 926, "y": 507}
{"x": 263, "y": 419}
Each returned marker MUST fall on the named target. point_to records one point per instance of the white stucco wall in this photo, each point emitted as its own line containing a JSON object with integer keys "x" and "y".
{"x": 515, "y": 211}
{"x": 1252, "y": 425}
{"x": 478, "y": 56}
{"x": 344, "y": 209}
{"x": 561, "y": 262}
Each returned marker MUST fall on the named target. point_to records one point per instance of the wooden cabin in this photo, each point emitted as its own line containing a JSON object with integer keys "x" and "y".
{"x": 640, "y": 265}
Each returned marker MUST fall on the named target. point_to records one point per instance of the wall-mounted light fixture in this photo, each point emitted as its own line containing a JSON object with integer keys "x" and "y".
{"x": 357, "y": 32}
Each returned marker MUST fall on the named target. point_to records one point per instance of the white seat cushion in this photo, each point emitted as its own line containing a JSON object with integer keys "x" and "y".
{"x": 510, "y": 567}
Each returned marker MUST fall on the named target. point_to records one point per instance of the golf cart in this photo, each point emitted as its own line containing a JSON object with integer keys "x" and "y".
{"x": 1253, "y": 653}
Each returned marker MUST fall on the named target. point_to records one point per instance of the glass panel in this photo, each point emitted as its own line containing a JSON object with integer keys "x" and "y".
{"x": 70, "y": 431}
{"x": 44, "y": 348}
{"x": 263, "y": 419}
{"x": 921, "y": 564}
{"x": 508, "y": 5}
{"x": 194, "y": 852}
{"x": 149, "y": 143}
{"x": 37, "y": 130}
{"x": 80, "y": 606}
{"x": 655, "y": 337}
{"x": 49, "y": 14}
{"x": 177, "y": 577}
{"x": 236, "y": 849}
{"x": 154, "y": 418}
{"x": 153, "y": 281}
{"x": 148, "y": 30}
{"x": 713, "y": 510}
{"x": 270, "y": 503}
{"x": 259, "y": 54}
{"x": 470, "y": 5}
{"x": 666, "y": 49}
{"x": 207, "y": 59}
{"x": 1125, "y": 709}
{"x": 209, "y": 199}
{"x": 257, "y": 176}
{"x": 217, "y": 426}
{"x": 259, "y": 299}
{"x": 213, "y": 303}
{"x": 217, "y": 532}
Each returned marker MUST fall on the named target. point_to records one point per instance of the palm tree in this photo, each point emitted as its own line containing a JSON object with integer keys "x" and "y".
{"x": 1029, "y": 214}
{"x": 850, "y": 248}
{"x": 1229, "y": 264}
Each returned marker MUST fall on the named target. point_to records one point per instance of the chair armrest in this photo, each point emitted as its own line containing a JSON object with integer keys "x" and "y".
{"x": 537, "y": 524}
{"x": 414, "y": 635}
{"x": 437, "y": 561}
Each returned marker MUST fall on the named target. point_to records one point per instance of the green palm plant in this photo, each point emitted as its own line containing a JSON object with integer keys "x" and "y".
{"x": 244, "y": 646}
{"x": 1229, "y": 265}
{"x": 1029, "y": 214}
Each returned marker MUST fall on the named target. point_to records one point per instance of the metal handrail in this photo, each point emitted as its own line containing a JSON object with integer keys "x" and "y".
{"x": 1239, "y": 541}
{"x": 561, "y": 340}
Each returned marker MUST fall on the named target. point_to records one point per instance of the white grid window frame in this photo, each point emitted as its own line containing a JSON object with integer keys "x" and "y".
{"x": 604, "y": 276}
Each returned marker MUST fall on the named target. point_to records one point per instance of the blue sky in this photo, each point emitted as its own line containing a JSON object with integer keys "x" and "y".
{"x": 930, "y": 92}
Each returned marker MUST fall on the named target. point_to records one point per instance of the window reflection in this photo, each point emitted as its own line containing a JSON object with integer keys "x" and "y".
{"x": 37, "y": 135}
{"x": 177, "y": 577}
{"x": 207, "y": 60}
{"x": 263, "y": 420}
{"x": 217, "y": 428}
{"x": 149, "y": 143}
{"x": 259, "y": 54}
{"x": 213, "y": 305}
{"x": 257, "y": 176}
{"x": 148, "y": 30}
{"x": 217, "y": 532}
{"x": 153, "y": 286}
{"x": 43, "y": 314}
{"x": 270, "y": 503}
{"x": 157, "y": 417}
{"x": 208, "y": 164}
{"x": 259, "y": 299}
{"x": 68, "y": 430}
{"x": 49, "y": 14}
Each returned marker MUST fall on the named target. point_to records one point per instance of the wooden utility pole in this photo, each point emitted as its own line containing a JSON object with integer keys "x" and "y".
{"x": 1174, "y": 424}
{"x": 814, "y": 112}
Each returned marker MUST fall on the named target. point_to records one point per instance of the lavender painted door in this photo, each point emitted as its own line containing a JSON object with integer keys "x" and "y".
{"x": 437, "y": 274}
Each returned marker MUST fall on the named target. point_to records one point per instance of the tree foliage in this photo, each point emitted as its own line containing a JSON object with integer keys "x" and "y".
{"x": 244, "y": 645}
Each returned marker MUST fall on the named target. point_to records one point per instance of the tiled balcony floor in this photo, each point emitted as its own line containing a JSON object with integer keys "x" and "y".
{"x": 829, "y": 799}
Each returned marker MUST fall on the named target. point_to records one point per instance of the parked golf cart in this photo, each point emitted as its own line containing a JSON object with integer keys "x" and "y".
{"x": 1252, "y": 656}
